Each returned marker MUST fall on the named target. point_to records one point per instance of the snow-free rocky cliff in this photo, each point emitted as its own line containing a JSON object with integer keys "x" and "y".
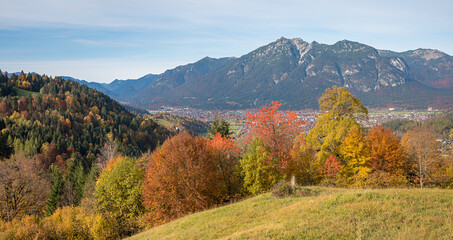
{"x": 296, "y": 73}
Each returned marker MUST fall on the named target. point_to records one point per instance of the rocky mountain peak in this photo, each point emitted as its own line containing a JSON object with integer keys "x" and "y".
{"x": 428, "y": 54}
{"x": 296, "y": 73}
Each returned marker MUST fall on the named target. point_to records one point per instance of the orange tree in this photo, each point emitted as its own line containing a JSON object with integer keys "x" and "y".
{"x": 277, "y": 129}
{"x": 387, "y": 159}
{"x": 182, "y": 177}
{"x": 227, "y": 155}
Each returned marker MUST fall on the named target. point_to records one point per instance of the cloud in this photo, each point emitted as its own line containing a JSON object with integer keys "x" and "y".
{"x": 99, "y": 43}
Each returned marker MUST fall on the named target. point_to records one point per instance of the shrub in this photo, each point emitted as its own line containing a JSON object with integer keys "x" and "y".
{"x": 283, "y": 189}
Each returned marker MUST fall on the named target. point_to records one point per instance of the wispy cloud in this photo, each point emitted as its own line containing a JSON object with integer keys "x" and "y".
{"x": 98, "y": 43}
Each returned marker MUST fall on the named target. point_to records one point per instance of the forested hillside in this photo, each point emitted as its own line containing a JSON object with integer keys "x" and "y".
{"x": 56, "y": 136}
{"x": 68, "y": 118}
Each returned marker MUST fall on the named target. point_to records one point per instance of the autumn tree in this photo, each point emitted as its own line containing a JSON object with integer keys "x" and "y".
{"x": 422, "y": 149}
{"x": 387, "y": 159}
{"x": 182, "y": 177}
{"x": 23, "y": 187}
{"x": 386, "y": 153}
{"x": 119, "y": 194}
{"x": 339, "y": 113}
{"x": 277, "y": 129}
{"x": 227, "y": 155}
{"x": 332, "y": 167}
{"x": 107, "y": 152}
{"x": 302, "y": 163}
{"x": 259, "y": 170}
{"x": 355, "y": 157}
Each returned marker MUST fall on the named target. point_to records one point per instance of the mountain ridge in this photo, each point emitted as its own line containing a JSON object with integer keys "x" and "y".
{"x": 296, "y": 73}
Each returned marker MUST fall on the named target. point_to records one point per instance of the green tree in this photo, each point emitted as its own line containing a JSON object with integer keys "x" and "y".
{"x": 5, "y": 146}
{"x": 57, "y": 183}
{"x": 119, "y": 194}
{"x": 259, "y": 170}
{"x": 74, "y": 180}
{"x": 219, "y": 126}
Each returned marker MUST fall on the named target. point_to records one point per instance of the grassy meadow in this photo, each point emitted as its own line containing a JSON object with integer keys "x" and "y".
{"x": 22, "y": 92}
{"x": 330, "y": 213}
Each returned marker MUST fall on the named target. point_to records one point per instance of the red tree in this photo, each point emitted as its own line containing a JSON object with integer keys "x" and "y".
{"x": 277, "y": 129}
{"x": 332, "y": 167}
{"x": 227, "y": 154}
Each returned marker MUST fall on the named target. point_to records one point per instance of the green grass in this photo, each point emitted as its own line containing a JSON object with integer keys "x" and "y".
{"x": 333, "y": 214}
{"x": 22, "y": 92}
{"x": 235, "y": 126}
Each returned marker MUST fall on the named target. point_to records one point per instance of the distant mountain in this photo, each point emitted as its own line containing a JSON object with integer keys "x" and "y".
{"x": 121, "y": 90}
{"x": 430, "y": 67}
{"x": 296, "y": 73}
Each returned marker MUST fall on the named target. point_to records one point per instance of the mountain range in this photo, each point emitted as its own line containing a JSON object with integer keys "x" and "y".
{"x": 296, "y": 73}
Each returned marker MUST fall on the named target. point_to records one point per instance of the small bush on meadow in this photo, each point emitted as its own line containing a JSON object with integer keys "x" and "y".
{"x": 283, "y": 189}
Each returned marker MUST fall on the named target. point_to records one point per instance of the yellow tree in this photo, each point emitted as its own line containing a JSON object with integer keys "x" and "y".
{"x": 356, "y": 157}
{"x": 303, "y": 164}
{"x": 339, "y": 112}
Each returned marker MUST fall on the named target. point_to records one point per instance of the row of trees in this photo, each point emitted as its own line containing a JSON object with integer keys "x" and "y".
{"x": 187, "y": 174}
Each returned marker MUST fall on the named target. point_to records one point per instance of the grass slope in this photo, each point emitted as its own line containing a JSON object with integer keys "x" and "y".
{"x": 332, "y": 214}
{"x": 22, "y": 92}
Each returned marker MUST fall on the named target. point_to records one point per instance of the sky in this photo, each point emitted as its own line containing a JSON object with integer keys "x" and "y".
{"x": 104, "y": 40}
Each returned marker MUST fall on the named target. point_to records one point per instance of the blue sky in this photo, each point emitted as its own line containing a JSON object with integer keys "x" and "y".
{"x": 100, "y": 40}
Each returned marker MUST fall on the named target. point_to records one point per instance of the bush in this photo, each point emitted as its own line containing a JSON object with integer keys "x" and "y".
{"x": 283, "y": 189}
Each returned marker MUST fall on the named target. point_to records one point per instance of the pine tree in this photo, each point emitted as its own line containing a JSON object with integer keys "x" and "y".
{"x": 57, "y": 183}
{"x": 75, "y": 180}
{"x": 220, "y": 126}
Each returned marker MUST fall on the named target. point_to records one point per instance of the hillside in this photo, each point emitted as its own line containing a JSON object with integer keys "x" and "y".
{"x": 330, "y": 214}
{"x": 39, "y": 112}
{"x": 175, "y": 123}
{"x": 296, "y": 73}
